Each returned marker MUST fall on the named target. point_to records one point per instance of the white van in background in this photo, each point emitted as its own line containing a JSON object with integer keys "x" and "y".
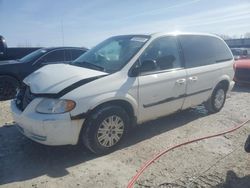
{"x": 123, "y": 81}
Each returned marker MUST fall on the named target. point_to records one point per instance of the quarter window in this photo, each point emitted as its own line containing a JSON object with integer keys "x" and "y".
{"x": 203, "y": 50}
{"x": 164, "y": 52}
{"x": 222, "y": 52}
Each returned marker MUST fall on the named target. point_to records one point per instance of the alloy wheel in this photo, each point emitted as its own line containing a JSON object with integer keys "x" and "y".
{"x": 110, "y": 131}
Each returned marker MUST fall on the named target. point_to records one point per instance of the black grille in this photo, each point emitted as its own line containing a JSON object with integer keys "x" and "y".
{"x": 243, "y": 74}
{"x": 24, "y": 97}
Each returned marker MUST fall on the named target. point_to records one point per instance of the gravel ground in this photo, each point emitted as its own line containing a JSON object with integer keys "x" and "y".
{"x": 217, "y": 162}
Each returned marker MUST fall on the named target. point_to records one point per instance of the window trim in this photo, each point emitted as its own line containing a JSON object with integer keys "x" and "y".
{"x": 160, "y": 71}
{"x": 223, "y": 60}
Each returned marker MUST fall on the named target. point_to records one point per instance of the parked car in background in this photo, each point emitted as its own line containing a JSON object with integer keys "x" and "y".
{"x": 242, "y": 71}
{"x": 3, "y": 46}
{"x": 7, "y": 53}
{"x": 14, "y": 71}
{"x": 123, "y": 81}
{"x": 240, "y": 53}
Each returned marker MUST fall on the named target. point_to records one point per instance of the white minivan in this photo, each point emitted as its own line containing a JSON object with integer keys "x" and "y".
{"x": 123, "y": 81}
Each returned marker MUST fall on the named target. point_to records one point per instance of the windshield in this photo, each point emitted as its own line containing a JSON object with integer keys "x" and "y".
{"x": 33, "y": 56}
{"x": 112, "y": 54}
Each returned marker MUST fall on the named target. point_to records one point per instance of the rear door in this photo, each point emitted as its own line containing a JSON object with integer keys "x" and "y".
{"x": 162, "y": 89}
{"x": 204, "y": 57}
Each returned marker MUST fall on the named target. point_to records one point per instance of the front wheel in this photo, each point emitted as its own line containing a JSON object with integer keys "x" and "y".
{"x": 8, "y": 86}
{"x": 216, "y": 102}
{"x": 105, "y": 129}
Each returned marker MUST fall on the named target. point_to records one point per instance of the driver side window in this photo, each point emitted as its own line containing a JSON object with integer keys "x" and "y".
{"x": 163, "y": 53}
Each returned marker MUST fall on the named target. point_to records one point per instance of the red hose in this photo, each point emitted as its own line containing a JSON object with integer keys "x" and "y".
{"x": 148, "y": 163}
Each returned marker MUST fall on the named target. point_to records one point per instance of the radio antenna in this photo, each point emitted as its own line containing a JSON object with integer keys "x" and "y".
{"x": 62, "y": 31}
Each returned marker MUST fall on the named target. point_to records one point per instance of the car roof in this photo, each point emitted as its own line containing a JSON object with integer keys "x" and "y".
{"x": 176, "y": 33}
{"x": 65, "y": 47}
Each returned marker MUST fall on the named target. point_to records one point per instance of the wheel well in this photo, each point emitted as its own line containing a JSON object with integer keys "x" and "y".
{"x": 122, "y": 103}
{"x": 11, "y": 76}
{"x": 224, "y": 84}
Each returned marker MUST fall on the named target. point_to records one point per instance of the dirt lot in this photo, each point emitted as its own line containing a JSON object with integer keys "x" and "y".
{"x": 217, "y": 162}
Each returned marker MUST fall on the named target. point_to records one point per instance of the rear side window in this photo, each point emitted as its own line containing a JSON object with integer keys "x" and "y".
{"x": 68, "y": 55}
{"x": 222, "y": 52}
{"x": 54, "y": 56}
{"x": 72, "y": 54}
{"x": 76, "y": 53}
{"x": 203, "y": 50}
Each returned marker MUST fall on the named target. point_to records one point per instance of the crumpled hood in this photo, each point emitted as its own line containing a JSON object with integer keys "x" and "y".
{"x": 243, "y": 63}
{"x": 52, "y": 79}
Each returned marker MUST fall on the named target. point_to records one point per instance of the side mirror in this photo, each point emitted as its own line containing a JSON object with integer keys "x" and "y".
{"x": 148, "y": 65}
{"x": 134, "y": 71}
{"x": 145, "y": 66}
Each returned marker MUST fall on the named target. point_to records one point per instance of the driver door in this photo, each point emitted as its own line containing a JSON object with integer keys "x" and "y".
{"x": 161, "y": 88}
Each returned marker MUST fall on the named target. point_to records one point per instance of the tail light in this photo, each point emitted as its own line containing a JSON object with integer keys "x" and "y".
{"x": 234, "y": 66}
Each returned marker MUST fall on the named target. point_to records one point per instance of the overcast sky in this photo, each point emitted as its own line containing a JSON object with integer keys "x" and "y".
{"x": 85, "y": 23}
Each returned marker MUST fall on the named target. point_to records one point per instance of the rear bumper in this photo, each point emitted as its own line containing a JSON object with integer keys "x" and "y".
{"x": 242, "y": 75}
{"x": 237, "y": 80}
{"x": 48, "y": 129}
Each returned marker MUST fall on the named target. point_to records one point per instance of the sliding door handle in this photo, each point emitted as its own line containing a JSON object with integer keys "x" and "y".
{"x": 181, "y": 81}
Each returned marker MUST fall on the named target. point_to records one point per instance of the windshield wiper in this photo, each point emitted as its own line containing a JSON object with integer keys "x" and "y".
{"x": 88, "y": 65}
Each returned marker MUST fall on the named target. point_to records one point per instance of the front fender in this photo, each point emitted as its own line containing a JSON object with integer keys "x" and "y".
{"x": 84, "y": 106}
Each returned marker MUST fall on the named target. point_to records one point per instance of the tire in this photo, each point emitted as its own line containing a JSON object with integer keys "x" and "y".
{"x": 8, "y": 86}
{"x": 217, "y": 100}
{"x": 100, "y": 134}
{"x": 247, "y": 145}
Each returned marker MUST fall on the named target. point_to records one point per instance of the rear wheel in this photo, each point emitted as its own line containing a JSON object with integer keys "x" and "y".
{"x": 8, "y": 86}
{"x": 105, "y": 129}
{"x": 217, "y": 100}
